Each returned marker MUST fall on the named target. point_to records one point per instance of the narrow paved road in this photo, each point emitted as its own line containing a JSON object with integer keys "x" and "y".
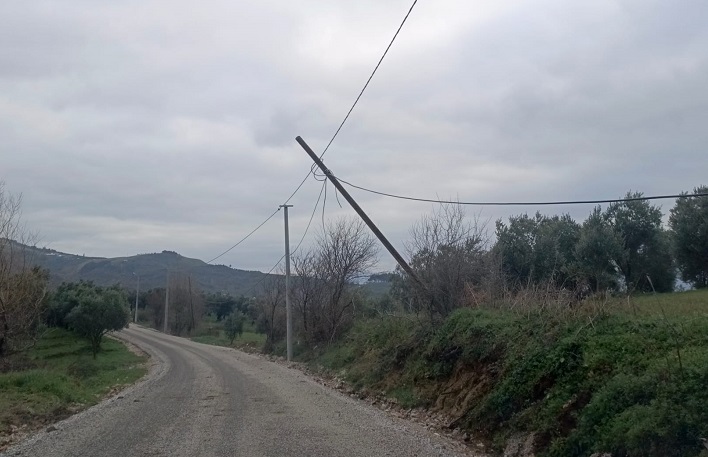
{"x": 204, "y": 400}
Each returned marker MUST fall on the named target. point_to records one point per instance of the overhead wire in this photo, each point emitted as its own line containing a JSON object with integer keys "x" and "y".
{"x": 324, "y": 204}
{"x": 247, "y": 236}
{"x": 299, "y": 186}
{"x": 309, "y": 223}
{"x": 265, "y": 276}
{"x": 313, "y": 170}
{"x": 336, "y": 195}
{"x": 370, "y": 77}
{"x": 320, "y": 176}
{"x": 356, "y": 101}
{"x": 312, "y": 216}
{"x": 520, "y": 203}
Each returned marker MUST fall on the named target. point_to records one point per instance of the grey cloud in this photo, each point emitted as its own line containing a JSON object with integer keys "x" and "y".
{"x": 142, "y": 126}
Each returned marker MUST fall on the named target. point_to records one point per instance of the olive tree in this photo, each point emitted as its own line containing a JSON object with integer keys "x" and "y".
{"x": 645, "y": 245}
{"x": 98, "y": 312}
{"x": 597, "y": 252}
{"x": 688, "y": 221}
{"x": 233, "y": 325}
{"x": 538, "y": 249}
{"x": 65, "y": 299}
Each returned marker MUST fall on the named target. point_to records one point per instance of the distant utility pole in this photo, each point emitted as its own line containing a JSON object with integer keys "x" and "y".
{"x": 191, "y": 300}
{"x": 360, "y": 212}
{"x": 137, "y": 293}
{"x": 167, "y": 302}
{"x": 288, "y": 313}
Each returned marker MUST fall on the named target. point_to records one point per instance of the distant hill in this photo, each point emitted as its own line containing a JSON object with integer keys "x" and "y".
{"x": 152, "y": 269}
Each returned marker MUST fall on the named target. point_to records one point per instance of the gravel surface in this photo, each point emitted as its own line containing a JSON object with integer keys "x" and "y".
{"x": 201, "y": 400}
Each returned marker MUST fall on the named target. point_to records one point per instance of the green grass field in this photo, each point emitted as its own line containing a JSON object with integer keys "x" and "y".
{"x": 211, "y": 332}
{"x": 250, "y": 339}
{"x": 691, "y": 302}
{"x": 59, "y": 377}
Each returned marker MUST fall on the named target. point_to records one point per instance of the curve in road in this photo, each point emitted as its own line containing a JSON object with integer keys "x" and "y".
{"x": 201, "y": 400}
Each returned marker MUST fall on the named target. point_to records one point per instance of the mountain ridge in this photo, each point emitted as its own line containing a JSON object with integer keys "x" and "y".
{"x": 151, "y": 268}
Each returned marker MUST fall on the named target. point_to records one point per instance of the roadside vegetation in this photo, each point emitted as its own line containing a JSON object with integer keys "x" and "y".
{"x": 23, "y": 287}
{"x": 88, "y": 310}
{"x": 608, "y": 376}
{"x": 566, "y": 334}
{"x": 57, "y": 377}
{"x": 218, "y": 333}
{"x": 54, "y": 359}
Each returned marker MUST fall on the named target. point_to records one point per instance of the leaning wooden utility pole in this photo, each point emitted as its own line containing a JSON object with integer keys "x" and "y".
{"x": 360, "y": 212}
{"x": 288, "y": 312}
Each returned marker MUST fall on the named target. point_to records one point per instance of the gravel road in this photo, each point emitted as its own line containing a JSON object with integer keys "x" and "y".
{"x": 201, "y": 400}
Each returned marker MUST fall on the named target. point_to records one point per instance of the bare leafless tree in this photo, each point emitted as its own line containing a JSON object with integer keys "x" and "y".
{"x": 23, "y": 287}
{"x": 447, "y": 225}
{"x": 307, "y": 293}
{"x": 155, "y": 306}
{"x": 448, "y": 252}
{"x": 323, "y": 292}
{"x": 271, "y": 309}
{"x": 186, "y": 304}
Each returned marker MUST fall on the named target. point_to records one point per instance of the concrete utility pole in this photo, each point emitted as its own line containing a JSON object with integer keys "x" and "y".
{"x": 191, "y": 300}
{"x": 360, "y": 212}
{"x": 288, "y": 313}
{"x": 137, "y": 293}
{"x": 167, "y": 302}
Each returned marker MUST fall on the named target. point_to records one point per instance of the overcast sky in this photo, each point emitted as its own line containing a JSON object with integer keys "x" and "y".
{"x": 135, "y": 126}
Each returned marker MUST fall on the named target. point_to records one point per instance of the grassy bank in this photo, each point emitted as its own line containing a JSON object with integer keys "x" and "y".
{"x": 628, "y": 377}
{"x": 59, "y": 377}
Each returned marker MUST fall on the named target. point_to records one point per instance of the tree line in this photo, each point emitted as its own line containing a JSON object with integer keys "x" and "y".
{"x": 622, "y": 248}
{"x": 28, "y": 308}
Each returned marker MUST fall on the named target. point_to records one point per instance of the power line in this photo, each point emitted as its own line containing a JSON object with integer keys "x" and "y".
{"x": 299, "y": 186}
{"x": 546, "y": 203}
{"x": 312, "y": 216}
{"x": 312, "y": 169}
{"x": 265, "y": 276}
{"x": 370, "y": 77}
{"x": 267, "y": 219}
{"x": 324, "y": 205}
{"x": 246, "y": 237}
{"x": 270, "y": 217}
